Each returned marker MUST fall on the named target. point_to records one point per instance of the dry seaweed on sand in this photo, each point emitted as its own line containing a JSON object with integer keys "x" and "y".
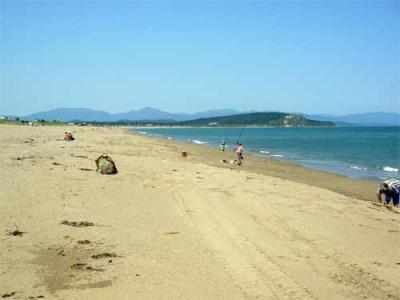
{"x": 16, "y": 232}
{"x": 86, "y": 169}
{"x": 79, "y": 156}
{"x": 83, "y": 242}
{"x": 77, "y": 224}
{"x": 103, "y": 255}
{"x": 84, "y": 266}
{"x": 6, "y": 295}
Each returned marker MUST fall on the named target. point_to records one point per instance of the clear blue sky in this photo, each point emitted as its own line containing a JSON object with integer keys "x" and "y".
{"x": 296, "y": 56}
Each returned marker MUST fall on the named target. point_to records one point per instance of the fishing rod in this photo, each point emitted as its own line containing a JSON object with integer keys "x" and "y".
{"x": 240, "y": 135}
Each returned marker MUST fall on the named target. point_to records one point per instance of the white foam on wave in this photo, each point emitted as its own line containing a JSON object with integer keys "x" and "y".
{"x": 264, "y": 152}
{"x": 276, "y": 155}
{"x": 142, "y": 132}
{"x": 390, "y": 169}
{"x": 358, "y": 168}
{"x": 198, "y": 142}
{"x": 170, "y": 138}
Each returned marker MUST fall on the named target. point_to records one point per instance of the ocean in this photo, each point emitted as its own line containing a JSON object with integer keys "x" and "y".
{"x": 371, "y": 153}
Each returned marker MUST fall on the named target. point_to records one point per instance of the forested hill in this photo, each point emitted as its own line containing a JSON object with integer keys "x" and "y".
{"x": 258, "y": 119}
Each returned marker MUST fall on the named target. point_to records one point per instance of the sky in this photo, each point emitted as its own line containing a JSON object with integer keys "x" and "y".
{"x": 330, "y": 57}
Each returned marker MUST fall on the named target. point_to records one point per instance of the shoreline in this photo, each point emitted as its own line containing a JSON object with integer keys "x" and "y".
{"x": 373, "y": 170}
{"x": 359, "y": 188}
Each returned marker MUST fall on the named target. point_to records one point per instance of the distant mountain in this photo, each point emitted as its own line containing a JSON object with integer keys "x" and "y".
{"x": 258, "y": 119}
{"x": 361, "y": 119}
{"x": 69, "y": 114}
{"x": 153, "y": 114}
{"x": 147, "y": 113}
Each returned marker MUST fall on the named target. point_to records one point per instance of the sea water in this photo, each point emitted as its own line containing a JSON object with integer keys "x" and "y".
{"x": 357, "y": 152}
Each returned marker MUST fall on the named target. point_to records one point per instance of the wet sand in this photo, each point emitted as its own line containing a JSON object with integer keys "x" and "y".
{"x": 184, "y": 228}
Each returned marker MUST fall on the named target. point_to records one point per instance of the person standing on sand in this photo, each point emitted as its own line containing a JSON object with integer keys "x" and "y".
{"x": 239, "y": 153}
{"x": 223, "y": 145}
{"x": 391, "y": 189}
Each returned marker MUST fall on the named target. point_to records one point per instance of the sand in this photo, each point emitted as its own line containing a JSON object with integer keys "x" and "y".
{"x": 170, "y": 227}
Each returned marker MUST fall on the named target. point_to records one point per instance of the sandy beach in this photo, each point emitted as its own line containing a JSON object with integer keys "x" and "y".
{"x": 169, "y": 227}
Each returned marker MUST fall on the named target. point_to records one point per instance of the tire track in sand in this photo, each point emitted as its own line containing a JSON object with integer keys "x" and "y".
{"x": 256, "y": 274}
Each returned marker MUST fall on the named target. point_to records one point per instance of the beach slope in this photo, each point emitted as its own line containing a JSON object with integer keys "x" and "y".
{"x": 170, "y": 227}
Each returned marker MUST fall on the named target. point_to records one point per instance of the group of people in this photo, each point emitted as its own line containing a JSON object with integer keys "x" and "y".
{"x": 389, "y": 190}
{"x": 104, "y": 163}
{"x": 238, "y": 150}
{"x": 68, "y": 136}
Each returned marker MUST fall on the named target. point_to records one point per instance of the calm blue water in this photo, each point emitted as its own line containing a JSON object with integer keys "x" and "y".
{"x": 357, "y": 152}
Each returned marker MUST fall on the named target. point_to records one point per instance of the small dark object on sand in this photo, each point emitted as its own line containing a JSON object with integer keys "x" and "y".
{"x": 8, "y": 295}
{"x": 80, "y": 156}
{"x": 171, "y": 232}
{"x": 84, "y": 266}
{"x": 16, "y": 232}
{"x": 184, "y": 154}
{"x": 56, "y": 164}
{"x": 102, "y": 255}
{"x": 38, "y": 297}
{"x": 85, "y": 169}
{"x": 83, "y": 242}
{"x": 89, "y": 268}
{"x": 78, "y": 266}
{"x": 77, "y": 224}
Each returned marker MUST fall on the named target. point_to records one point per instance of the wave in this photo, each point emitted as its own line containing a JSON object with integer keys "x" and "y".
{"x": 198, "y": 142}
{"x": 390, "y": 169}
{"x": 277, "y": 155}
{"x": 358, "y": 168}
{"x": 142, "y": 132}
{"x": 264, "y": 152}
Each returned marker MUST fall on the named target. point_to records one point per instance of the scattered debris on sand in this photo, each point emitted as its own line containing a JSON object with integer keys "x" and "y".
{"x": 86, "y": 169}
{"x": 84, "y": 266}
{"x": 16, "y": 232}
{"x": 37, "y": 297}
{"x": 77, "y": 224}
{"x": 6, "y": 295}
{"x": 103, "y": 255}
{"x": 184, "y": 154}
{"x": 78, "y": 266}
{"x": 57, "y": 164}
{"x": 83, "y": 242}
{"x": 171, "y": 232}
{"x": 79, "y": 156}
